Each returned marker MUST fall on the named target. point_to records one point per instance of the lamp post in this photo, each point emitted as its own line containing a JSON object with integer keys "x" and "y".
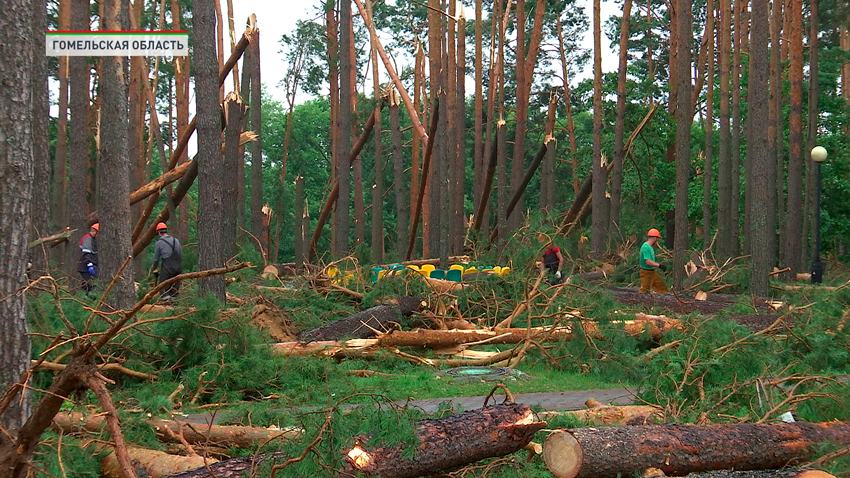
{"x": 818, "y": 156}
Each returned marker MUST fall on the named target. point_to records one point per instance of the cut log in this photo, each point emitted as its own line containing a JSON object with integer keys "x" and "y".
{"x": 599, "y": 414}
{"x": 232, "y": 468}
{"x": 194, "y": 433}
{"x": 783, "y": 473}
{"x": 447, "y": 443}
{"x": 363, "y": 324}
{"x": 682, "y": 449}
{"x": 154, "y": 463}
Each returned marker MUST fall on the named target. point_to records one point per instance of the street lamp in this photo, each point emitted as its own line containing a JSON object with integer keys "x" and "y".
{"x": 818, "y": 156}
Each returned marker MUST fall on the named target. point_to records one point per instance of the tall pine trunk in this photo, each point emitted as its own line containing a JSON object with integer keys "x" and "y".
{"x": 813, "y": 115}
{"x": 619, "y": 126}
{"x": 332, "y": 36}
{"x": 740, "y": 40}
{"x": 61, "y": 156}
{"x": 181, "y": 86}
{"x": 763, "y": 167}
{"x": 460, "y": 131}
{"x": 80, "y": 139}
{"x": 775, "y": 129}
{"x": 343, "y": 171}
{"x": 210, "y": 170}
{"x": 479, "y": 168}
{"x": 114, "y": 170}
{"x": 708, "y": 167}
{"x": 724, "y": 165}
{"x": 234, "y": 110}
{"x": 794, "y": 215}
{"x": 684, "y": 120}
{"x": 598, "y": 234}
{"x": 40, "y": 211}
{"x": 256, "y": 110}
{"x": 569, "y": 110}
{"x": 399, "y": 182}
{"x": 378, "y": 188}
{"x": 16, "y": 161}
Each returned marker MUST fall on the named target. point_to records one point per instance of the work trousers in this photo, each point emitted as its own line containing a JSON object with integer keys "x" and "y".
{"x": 649, "y": 279}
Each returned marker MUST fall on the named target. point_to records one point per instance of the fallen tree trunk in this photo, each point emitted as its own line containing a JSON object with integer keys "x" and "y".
{"x": 232, "y": 468}
{"x": 447, "y": 443}
{"x": 363, "y": 324}
{"x": 154, "y": 463}
{"x": 681, "y": 305}
{"x": 442, "y": 339}
{"x": 682, "y": 449}
{"x": 600, "y": 414}
{"x": 783, "y": 473}
{"x": 173, "y": 430}
{"x": 53, "y": 239}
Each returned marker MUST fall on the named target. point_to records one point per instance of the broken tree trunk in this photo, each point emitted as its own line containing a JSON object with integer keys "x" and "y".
{"x": 364, "y": 324}
{"x": 224, "y": 436}
{"x": 232, "y": 468}
{"x": 154, "y": 463}
{"x": 682, "y": 449}
{"x": 450, "y": 442}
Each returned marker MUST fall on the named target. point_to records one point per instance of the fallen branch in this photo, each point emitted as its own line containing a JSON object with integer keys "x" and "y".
{"x": 364, "y": 324}
{"x": 56, "y": 367}
{"x": 53, "y": 239}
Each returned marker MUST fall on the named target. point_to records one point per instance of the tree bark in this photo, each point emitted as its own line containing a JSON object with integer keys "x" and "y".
{"x": 446, "y": 443}
{"x": 256, "y": 108}
{"x": 740, "y": 41}
{"x": 600, "y": 222}
{"x": 147, "y": 462}
{"x": 399, "y": 181}
{"x": 812, "y": 134}
{"x": 682, "y": 449}
{"x": 762, "y": 213}
{"x": 684, "y": 121}
{"x": 300, "y": 236}
{"x": 181, "y": 86}
{"x": 777, "y": 121}
{"x": 343, "y": 125}
{"x": 377, "y": 242}
{"x": 60, "y": 174}
{"x": 115, "y": 241}
{"x": 708, "y": 166}
{"x": 361, "y": 324}
{"x": 724, "y": 165}
{"x": 459, "y": 168}
{"x": 479, "y": 166}
{"x": 794, "y": 214}
{"x": 423, "y": 184}
{"x": 80, "y": 140}
{"x": 16, "y": 161}
{"x": 210, "y": 218}
{"x": 620, "y": 125}
{"x": 40, "y": 209}
{"x": 235, "y": 111}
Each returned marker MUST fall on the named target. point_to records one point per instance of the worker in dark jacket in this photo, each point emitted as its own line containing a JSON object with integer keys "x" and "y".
{"x": 87, "y": 265}
{"x": 168, "y": 249}
{"x": 552, "y": 260}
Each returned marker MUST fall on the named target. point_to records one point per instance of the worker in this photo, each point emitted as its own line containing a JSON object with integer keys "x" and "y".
{"x": 168, "y": 249}
{"x": 87, "y": 265}
{"x": 553, "y": 260}
{"x": 649, "y": 278}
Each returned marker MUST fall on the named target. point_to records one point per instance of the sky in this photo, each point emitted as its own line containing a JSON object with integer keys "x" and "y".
{"x": 274, "y": 20}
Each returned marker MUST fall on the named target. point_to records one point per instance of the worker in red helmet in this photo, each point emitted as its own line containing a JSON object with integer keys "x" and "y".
{"x": 552, "y": 261}
{"x": 167, "y": 249}
{"x": 87, "y": 265}
{"x": 649, "y": 278}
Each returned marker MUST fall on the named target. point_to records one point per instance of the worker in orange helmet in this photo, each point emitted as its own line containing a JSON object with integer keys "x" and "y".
{"x": 87, "y": 265}
{"x": 649, "y": 278}
{"x": 169, "y": 250}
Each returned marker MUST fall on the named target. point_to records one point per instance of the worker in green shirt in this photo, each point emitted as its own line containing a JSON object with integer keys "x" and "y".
{"x": 649, "y": 278}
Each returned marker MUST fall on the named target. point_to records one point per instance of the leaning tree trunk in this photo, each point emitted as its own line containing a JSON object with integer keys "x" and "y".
{"x": 682, "y": 449}
{"x": 450, "y": 442}
{"x": 210, "y": 230}
{"x": 16, "y": 161}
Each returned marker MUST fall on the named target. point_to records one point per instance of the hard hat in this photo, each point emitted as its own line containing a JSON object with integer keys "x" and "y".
{"x": 653, "y": 233}
{"x": 161, "y": 226}
{"x": 541, "y": 237}
{"x": 96, "y": 226}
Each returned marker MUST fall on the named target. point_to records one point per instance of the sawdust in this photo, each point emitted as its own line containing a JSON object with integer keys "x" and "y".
{"x": 268, "y": 317}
